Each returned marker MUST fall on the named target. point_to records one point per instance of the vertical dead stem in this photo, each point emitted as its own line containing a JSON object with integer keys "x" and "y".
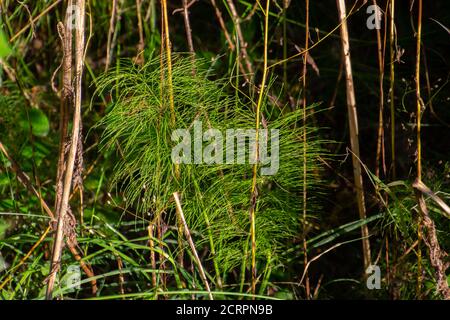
{"x": 353, "y": 124}
{"x": 59, "y": 236}
{"x": 380, "y": 136}
{"x": 305, "y": 58}
{"x": 191, "y": 243}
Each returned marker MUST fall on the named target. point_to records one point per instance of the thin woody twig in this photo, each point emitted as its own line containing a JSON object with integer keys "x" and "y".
{"x": 353, "y": 124}
{"x": 187, "y": 25}
{"x": 392, "y": 36}
{"x": 381, "y": 45}
{"x": 109, "y": 45}
{"x": 34, "y": 20}
{"x": 191, "y": 243}
{"x": 240, "y": 35}
{"x": 222, "y": 25}
{"x": 151, "y": 235}
{"x": 139, "y": 59}
{"x": 305, "y": 172}
{"x": 25, "y": 180}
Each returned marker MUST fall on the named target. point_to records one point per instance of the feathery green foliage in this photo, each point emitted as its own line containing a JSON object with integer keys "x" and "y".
{"x": 216, "y": 197}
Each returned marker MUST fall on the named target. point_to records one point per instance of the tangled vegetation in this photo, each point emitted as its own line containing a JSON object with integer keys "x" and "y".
{"x": 116, "y": 175}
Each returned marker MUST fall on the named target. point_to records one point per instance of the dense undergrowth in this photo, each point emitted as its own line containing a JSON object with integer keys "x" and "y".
{"x": 129, "y": 196}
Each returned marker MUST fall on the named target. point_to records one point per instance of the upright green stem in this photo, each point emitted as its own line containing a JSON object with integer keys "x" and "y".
{"x": 255, "y": 166}
{"x": 419, "y": 147}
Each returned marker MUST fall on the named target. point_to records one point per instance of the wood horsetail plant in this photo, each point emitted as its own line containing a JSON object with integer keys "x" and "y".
{"x": 215, "y": 193}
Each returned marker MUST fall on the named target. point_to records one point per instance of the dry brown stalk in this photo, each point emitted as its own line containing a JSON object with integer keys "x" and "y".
{"x": 419, "y": 196}
{"x": 353, "y": 124}
{"x": 380, "y": 135}
{"x": 110, "y": 34}
{"x": 71, "y": 158}
{"x": 391, "y": 85}
{"x": 222, "y": 25}
{"x": 151, "y": 235}
{"x": 437, "y": 255}
{"x": 305, "y": 62}
{"x": 66, "y": 99}
{"x": 191, "y": 243}
{"x": 34, "y": 20}
{"x": 187, "y": 25}
{"x": 121, "y": 277}
{"x": 242, "y": 43}
{"x": 139, "y": 59}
